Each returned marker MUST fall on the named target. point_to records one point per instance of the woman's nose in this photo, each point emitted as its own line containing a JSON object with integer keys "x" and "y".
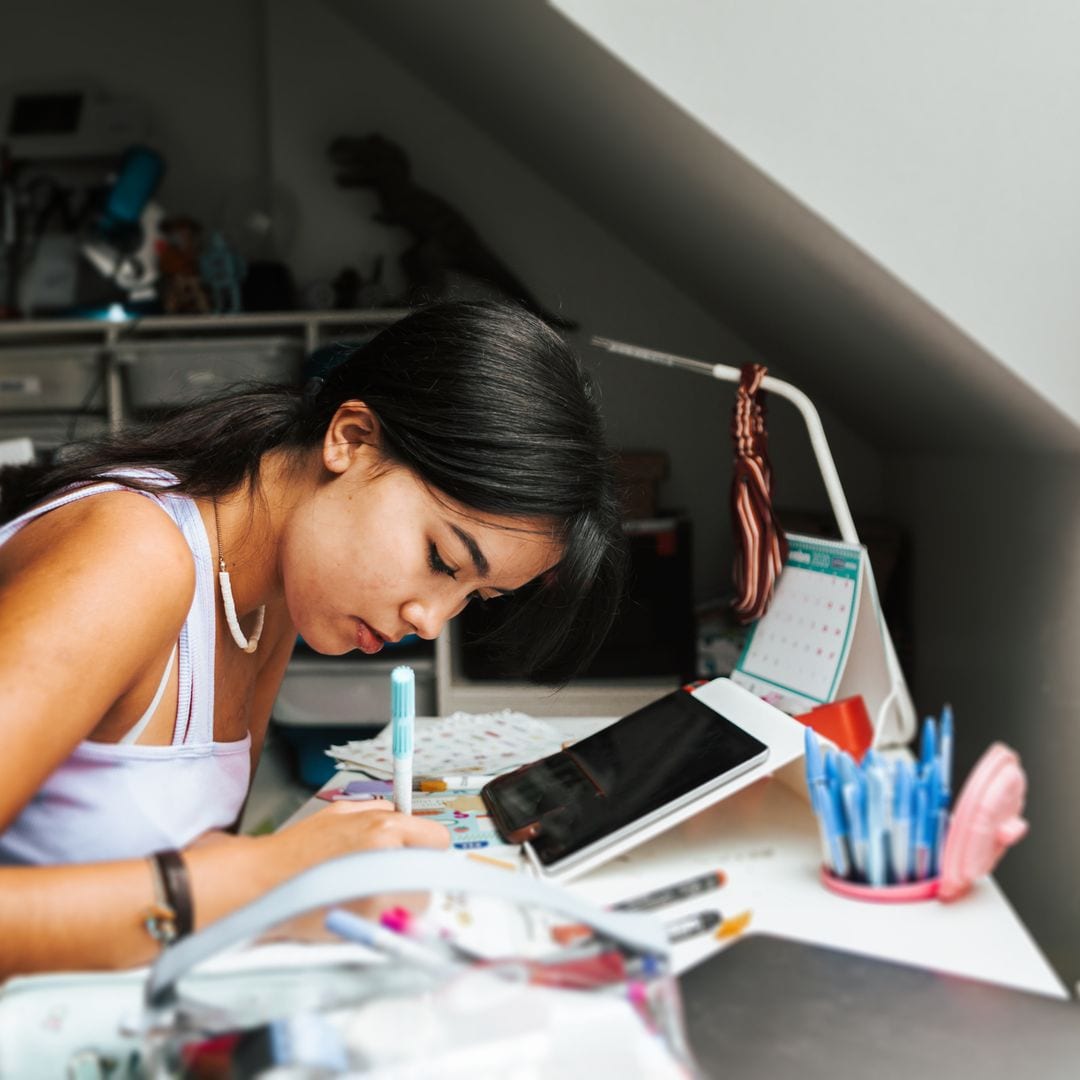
{"x": 428, "y": 617}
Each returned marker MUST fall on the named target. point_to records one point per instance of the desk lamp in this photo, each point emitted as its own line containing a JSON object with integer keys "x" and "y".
{"x": 898, "y": 698}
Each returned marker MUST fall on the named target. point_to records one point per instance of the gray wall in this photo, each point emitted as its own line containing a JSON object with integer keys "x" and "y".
{"x": 997, "y": 576}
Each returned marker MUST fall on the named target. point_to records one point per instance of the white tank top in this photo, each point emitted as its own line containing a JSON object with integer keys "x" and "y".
{"x": 120, "y": 801}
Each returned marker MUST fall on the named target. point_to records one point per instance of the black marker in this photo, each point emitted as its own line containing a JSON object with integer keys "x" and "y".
{"x": 672, "y": 893}
{"x": 692, "y": 925}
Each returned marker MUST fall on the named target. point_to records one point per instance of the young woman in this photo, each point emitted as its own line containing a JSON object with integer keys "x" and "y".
{"x": 152, "y": 586}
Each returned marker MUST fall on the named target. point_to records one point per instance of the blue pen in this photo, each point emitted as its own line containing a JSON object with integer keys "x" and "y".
{"x": 900, "y": 837}
{"x": 875, "y": 834}
{"x": 402, "y": 719}
{"x": 924, "y": 834}
{"x": 855, "y": 812}
{"x": 838, "y": 829}
{"x": 931, "y": 823}
{"x": 945, "y": 752}
{"x": 929, "y": 742}
{"x": 815, "y": 782}
{"x": 832, "y": 765}
{"x": 848, "y": 769}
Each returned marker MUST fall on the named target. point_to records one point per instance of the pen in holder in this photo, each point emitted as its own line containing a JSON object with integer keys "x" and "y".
{"x": 889, "y": 831}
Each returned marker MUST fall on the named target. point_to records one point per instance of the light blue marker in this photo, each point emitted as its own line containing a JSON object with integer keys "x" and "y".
{"x": 402, "y": 720}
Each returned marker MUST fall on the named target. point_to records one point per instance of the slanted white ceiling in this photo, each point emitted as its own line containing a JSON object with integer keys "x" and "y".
{"x": 823, "y": 313}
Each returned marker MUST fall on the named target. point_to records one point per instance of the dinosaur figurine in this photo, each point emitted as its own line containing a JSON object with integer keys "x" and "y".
{"x": 443, "y": 239}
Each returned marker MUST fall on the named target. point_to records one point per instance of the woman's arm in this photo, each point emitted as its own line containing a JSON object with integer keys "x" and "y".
{"x": 92, "y": 917}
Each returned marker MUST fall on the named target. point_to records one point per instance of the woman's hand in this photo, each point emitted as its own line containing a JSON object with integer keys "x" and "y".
{"x": 345, "y": 827}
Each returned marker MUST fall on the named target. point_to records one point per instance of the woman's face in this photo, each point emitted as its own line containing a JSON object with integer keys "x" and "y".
{"x": 372, "y": 555}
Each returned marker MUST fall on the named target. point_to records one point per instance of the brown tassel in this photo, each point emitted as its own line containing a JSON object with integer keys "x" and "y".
{"x": 760, "y": 544}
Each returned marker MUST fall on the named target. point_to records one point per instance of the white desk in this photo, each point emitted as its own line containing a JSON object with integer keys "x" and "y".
{"x": 765, "y": 839}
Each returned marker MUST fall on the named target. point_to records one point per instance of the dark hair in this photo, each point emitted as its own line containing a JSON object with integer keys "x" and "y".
{"x": 482, "y": 400}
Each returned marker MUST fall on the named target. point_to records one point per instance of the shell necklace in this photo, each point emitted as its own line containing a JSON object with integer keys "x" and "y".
{"x": 249, "y": 645}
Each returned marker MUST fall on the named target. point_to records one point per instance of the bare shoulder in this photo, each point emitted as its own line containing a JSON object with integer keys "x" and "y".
{"x": 119, "y": 544}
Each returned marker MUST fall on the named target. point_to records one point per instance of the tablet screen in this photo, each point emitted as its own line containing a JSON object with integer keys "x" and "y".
{"x": 639, "y": 765}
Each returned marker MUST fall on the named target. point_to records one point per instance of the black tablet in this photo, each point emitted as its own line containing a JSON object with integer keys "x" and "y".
{"x": 627, "y": 780}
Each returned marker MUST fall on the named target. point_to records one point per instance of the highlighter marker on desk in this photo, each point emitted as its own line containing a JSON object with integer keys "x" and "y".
{"x": 402, "y": 718}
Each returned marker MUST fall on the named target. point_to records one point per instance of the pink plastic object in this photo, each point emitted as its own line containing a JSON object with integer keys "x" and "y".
{"x": 882, "y": 894}
{"x": 986, "y": 821}
{"x": 984, "y": 825}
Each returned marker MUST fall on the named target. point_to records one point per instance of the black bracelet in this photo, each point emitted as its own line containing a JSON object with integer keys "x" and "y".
{"x": 173, "y": 916}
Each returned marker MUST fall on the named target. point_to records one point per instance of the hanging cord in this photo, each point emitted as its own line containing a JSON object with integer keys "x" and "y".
{"x": 760, "y": 544}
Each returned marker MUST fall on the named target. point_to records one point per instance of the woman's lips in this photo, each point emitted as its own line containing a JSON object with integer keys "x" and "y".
{"x": 368, "y": 640}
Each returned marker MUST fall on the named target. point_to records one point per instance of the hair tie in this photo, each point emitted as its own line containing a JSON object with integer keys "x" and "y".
{"x": 312, "y": 389}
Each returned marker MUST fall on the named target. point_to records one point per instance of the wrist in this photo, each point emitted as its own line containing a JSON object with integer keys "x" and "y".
{"x": 171, "y": 917}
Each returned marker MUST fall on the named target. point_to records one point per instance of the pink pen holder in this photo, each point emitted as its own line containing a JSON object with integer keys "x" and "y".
{"x": 986, "y": 822}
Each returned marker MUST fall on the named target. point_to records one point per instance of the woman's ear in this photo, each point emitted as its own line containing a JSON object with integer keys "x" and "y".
{"x": 353, "y": 434}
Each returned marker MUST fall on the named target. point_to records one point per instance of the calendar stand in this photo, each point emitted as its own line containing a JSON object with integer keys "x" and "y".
{"x": 870, "y": 667}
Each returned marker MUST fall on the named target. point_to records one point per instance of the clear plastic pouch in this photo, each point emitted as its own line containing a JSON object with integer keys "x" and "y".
{"x": 475, "y": 984}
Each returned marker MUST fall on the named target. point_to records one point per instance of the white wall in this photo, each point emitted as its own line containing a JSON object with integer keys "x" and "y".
{"x": 938, "y": 137}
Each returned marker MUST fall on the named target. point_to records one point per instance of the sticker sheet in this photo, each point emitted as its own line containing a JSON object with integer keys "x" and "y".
{"x": 484, "y": 743}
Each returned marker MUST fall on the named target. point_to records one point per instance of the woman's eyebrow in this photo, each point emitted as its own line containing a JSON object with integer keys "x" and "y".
{"x": 473, "y": 548}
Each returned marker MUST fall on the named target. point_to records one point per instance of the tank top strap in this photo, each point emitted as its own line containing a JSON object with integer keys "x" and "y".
{"x": 195, "y": 708}
{"x": 8, "y": 530}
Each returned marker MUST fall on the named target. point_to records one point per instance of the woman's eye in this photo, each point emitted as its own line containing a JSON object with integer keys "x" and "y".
{"x": 436, "y": 563}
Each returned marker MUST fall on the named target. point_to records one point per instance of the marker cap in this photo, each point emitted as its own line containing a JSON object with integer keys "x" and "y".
{"x": 402, "y": 708}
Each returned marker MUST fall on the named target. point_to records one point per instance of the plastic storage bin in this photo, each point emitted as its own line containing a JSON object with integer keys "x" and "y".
{"x": 165, "y": 373}
{"x": 51, "y": 379}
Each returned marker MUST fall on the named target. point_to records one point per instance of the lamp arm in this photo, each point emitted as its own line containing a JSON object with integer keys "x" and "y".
{"x": 814, "y": 429}
{"x": 898, "y": 699}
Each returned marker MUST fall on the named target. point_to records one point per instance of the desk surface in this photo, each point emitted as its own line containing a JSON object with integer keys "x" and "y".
{"x": 765, "y": 840}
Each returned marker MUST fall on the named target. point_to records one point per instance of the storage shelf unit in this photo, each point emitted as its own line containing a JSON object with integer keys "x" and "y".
{"x": 52, "y": 367}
